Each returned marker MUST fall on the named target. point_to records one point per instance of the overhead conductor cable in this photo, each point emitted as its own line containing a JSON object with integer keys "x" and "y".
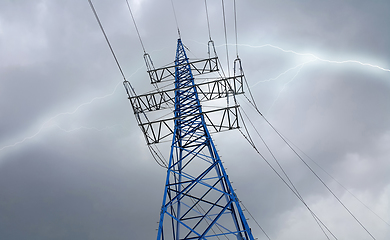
{"x": 132, "y": 91}
{"x": 174, "y": 14}
{"x": 226, "y": 41}
{"x": 135, "y": 25}
{"x": 315, "y": 174}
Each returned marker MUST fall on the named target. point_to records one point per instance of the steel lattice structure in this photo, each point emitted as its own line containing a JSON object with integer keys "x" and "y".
{"x": 199, "y": 201}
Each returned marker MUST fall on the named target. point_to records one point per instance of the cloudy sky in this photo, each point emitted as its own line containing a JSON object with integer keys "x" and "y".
{"x": 74, "y": 164}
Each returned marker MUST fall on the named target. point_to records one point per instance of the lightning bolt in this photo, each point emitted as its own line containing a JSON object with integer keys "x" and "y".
{"x": 283, "y": 73}
{"x": 284, "y": 86}
{"x": 24, "y": 139}
{"x": 89, "y": 128}
{"x": 45, "y": 124}
{"x": 304, "y": 55}
{"x": 313, "y": 57}
{"x": 316, "y": 57}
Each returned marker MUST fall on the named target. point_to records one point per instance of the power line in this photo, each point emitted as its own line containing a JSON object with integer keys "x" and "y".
{"x": 136, "y": 28}
{"x": 293, "y": 188}
{"x": 109, "y": 45}
{"x": 174, "y": 14}
{"x": 315, "y": 174}
{"x": 154, "y": 152}
{"x": 207, "y": 16}
{"x": 105, "y": 36}
{"x": 157, "y": 158}
{"x": 250, "y": 141}
{"x": 338, "y": 182}
{"x": 235, "y": 25}
{"x": 226, "y": 40}
{"x": 255, "y": 221}
{"x": 318, "y": 177}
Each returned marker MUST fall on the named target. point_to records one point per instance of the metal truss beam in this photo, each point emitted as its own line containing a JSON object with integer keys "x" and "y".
{"x": 198, "y": 67}
{"x": 207, "y": 91}
{"x": 218, "y": 120}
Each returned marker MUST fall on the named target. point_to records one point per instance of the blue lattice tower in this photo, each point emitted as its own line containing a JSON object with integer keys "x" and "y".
{"x": 198, "y": 201}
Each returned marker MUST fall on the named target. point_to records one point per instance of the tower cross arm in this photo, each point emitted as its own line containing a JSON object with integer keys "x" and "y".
{"x": 209, "y": 90}
{"x": 218, "y": 120}
{"x": 198, "y": 67}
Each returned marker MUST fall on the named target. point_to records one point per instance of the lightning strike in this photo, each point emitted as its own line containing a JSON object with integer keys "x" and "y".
{"x": 24, "y": 139}
{"x": 56, "y": 125}
{"x": 304, "y": 55}
{"x": 284, "y": 86}
{"x": 283, "y": 73}
{"x": 316, "y": 57}
{"x": 45, "y": 124}
{"x": 88, "y": 128}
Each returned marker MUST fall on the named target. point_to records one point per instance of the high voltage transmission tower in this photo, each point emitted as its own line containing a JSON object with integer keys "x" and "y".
{"x": 198, "y": 201}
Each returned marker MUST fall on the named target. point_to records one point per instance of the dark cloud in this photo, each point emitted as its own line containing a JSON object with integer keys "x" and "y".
{"x": 74, "y": 164}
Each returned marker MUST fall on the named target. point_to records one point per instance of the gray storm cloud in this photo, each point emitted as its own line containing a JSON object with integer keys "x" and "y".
{"x": 74, "y": 164}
